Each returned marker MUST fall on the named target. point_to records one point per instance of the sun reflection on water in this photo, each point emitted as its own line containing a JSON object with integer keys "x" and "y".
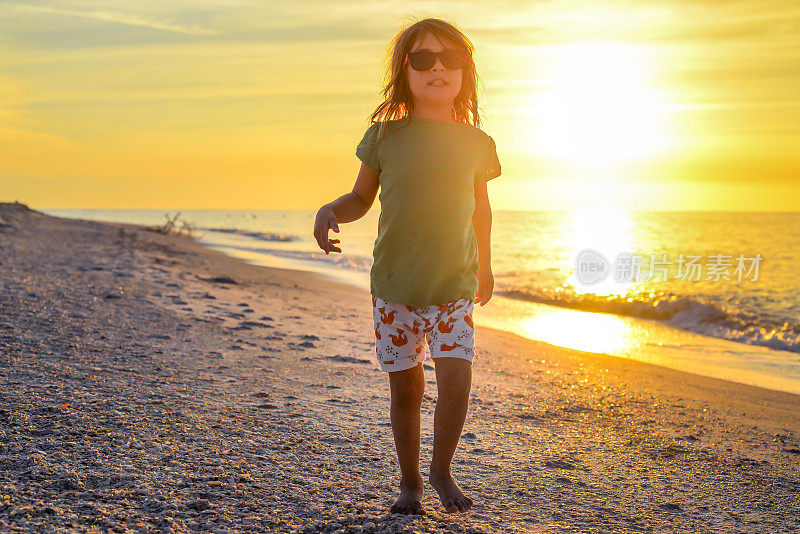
{"x": 605, "y": 230}
{"x": 590, "y": 332}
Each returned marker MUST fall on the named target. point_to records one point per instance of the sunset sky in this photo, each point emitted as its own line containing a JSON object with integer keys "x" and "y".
{"x": 260, "y": 105}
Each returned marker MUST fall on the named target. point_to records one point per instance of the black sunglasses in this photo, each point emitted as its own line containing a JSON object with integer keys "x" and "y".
{"x": 426, "y": 59}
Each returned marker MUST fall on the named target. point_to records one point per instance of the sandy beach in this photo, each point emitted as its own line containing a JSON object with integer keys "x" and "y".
{"x": 148, "y": 384}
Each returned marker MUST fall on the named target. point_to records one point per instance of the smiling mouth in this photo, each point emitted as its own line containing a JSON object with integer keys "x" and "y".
{"x": 438, "y": 83}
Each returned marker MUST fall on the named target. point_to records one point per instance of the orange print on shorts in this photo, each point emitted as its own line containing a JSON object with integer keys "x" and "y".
{"x": 452, "y": 307}
{"x": 387, "y": 318}
{"x": 400, "y": 339}
{"x": 428, "y": 324}
{"x": 447, "y": 327}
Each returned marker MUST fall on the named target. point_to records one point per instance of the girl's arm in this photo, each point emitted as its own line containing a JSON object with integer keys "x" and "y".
{"x": 356, "y": 204}
{"x": 482, "y": 223}
{"x": 347, "y": 208}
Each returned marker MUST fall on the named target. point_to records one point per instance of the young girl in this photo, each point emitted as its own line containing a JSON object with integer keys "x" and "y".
{"x": 425, "y": 150}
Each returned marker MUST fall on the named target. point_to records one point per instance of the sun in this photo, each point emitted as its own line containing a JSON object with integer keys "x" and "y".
{"x": 598, "y": 106}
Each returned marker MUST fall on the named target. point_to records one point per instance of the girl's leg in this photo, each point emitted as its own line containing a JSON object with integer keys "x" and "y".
{"x": 407, "y": 389}
{"x": 454, "y": 380}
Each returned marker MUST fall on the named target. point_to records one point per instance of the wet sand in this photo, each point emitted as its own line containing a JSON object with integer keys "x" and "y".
{"x": 148, "y": 384}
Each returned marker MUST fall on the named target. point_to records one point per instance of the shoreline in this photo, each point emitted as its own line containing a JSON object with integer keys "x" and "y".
{"x": 633, "y": 337}
{"x": 641, "y": 339}
{"x": 296, "y": 397}
{"x": 332, "y": 278}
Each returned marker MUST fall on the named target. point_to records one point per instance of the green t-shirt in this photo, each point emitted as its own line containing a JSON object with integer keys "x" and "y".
{"x": 426, "y": 252}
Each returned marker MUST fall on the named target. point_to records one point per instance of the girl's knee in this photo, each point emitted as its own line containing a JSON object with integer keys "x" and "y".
{"x": 408, "y": 387}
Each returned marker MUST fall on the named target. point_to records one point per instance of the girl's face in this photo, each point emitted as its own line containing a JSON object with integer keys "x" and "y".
{"x": 421, "y": 82}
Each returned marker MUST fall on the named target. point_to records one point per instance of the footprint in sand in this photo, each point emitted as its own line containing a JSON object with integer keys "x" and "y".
{"x": 346, "y": 359}
{"x": 254, "y": 324}
{"x": 219, "y": 280}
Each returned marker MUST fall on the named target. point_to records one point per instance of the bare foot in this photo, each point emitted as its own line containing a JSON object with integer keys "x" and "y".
{"x": 410, "y": 499}
{"x": 453, "y": 499}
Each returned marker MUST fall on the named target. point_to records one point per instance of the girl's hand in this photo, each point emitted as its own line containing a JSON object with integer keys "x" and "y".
{"x": 485, "y": 286}
{"x": 325, "y": 221}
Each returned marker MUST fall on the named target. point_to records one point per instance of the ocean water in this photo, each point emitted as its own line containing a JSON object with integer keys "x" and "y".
{"x": 721, "y": 298}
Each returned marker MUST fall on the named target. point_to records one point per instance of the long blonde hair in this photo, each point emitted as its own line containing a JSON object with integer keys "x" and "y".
{"x": 397, "y": 101}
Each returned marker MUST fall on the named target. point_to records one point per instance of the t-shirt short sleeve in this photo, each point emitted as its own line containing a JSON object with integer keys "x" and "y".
{"x": 367, "y": 149}
{"x": 490, "y": 168}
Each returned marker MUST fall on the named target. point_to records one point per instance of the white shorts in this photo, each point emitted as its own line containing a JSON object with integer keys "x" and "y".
{"x": 400, "y": 332}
